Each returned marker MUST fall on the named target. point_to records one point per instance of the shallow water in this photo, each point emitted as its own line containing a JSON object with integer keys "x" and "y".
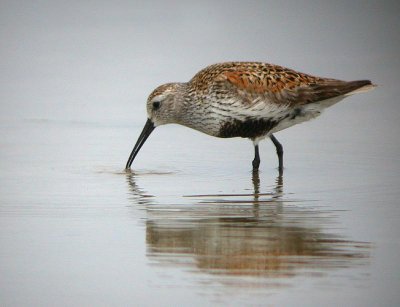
{"x": 191, "y": 224}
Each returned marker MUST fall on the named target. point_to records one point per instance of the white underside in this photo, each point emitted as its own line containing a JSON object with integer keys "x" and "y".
{"x": 308, "y": 112}
{"x": 261, "y": 109}
{"x": 305, "y": 113}
{"x": 312, "y": 110}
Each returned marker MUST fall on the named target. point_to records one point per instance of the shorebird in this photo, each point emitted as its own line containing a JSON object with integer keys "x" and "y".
{"x": 244, "y": 99}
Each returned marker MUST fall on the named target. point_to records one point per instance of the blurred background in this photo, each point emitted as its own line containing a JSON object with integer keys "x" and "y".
{"x": 74, "y": 60}
{"x": 191, "y": 223}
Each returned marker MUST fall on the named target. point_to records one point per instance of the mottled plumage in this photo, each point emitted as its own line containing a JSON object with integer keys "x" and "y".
{"x": 244, "y": 99}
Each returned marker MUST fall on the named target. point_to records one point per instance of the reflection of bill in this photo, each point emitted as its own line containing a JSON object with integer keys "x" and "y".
{"x": 248, "y": 234}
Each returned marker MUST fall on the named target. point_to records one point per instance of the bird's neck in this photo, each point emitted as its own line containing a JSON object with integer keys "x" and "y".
{"x": 195, "y": 113}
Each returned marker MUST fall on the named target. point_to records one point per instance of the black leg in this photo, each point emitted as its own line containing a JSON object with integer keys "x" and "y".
{"x": 256, "y": 161}
{"x": 279, "y": 151}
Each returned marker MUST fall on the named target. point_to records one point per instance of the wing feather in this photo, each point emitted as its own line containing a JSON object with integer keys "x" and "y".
{"x": 285, "y": 89}
{"x": 281, "y": 85}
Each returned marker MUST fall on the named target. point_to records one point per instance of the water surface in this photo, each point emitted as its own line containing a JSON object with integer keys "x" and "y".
{"x": 191, "y": 224}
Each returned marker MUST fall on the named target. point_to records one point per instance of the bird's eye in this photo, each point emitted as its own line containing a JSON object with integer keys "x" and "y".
{"x": 156, "y": 105}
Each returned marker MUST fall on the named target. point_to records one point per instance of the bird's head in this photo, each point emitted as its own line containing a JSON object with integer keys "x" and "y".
{"x": 164, "y": 106}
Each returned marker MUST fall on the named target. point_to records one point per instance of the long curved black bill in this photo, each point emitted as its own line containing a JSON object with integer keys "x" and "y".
{"x": 148, "y": 128}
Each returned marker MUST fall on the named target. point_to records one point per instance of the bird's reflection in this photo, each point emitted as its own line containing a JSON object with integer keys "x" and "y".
{"x": 258, "y": 233}
{"x": 137, "y": 195}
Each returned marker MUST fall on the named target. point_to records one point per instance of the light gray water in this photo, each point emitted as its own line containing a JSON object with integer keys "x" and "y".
{"x": 191, "y": 225}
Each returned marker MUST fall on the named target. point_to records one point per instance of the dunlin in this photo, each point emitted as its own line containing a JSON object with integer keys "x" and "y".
{"x": 244, "y": 99}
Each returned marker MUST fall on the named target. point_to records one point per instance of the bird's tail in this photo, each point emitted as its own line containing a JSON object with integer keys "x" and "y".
{"x": 359, "y": 86}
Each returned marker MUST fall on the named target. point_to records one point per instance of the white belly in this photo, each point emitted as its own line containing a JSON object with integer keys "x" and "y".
{"x": 305, "y": 113}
